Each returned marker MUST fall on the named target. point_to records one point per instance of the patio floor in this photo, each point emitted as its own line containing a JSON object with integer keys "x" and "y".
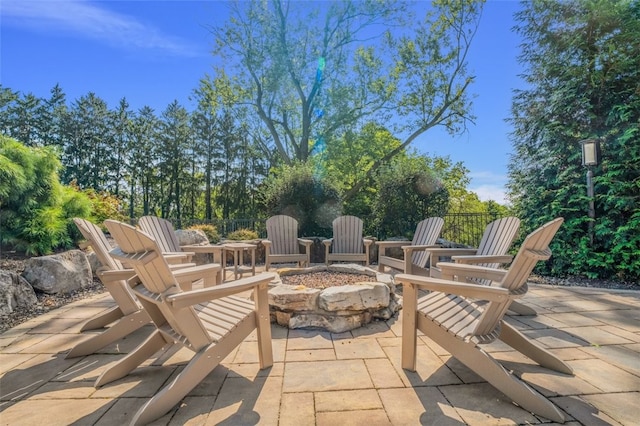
{"x": 320, "y": 378}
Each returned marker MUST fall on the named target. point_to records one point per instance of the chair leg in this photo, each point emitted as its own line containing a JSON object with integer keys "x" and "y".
{"x": 103, "y": 319}
{"x": 265, "y": 350}
{"x": 525, "y": 346}
{"x": 489, "y": 369}
{"x": 521, "y": 309}
{"x": 125, "y": 326}
{"x": 198, "y": 368}
{"x": 151, "y": 345}
{"x": 409, "y": 330}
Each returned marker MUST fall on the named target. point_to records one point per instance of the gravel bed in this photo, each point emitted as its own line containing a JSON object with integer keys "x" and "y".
{"x": 324, "y": 279}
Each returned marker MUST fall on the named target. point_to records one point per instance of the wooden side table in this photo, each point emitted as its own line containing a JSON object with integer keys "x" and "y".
{"x": 239, "y": 268}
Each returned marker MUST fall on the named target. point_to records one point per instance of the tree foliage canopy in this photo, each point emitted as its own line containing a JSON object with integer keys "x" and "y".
{"x": 583, "y": 76}
{"x": 312, "y": 75}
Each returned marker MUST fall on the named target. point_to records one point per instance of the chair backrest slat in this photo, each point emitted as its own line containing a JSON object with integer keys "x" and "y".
{"x": 162, "y": 232}
{"x": 496, "y": 240}
{"x": 528, "y": 256}
{"x": 427, "y": 233}
{"x": 347, "y": 235}
{"x": 282, "y": 231}
{"x": 498, "y": 236}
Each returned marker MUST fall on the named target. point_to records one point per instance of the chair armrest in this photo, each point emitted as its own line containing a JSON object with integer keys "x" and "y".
{"x": 482, "y": 259}
{"x": 470, "y": 271}
{"x": 443, "y": 251}
{"x": 418, "y": 247}
{"x": 115, "y": 274}
{"x": 193, "y": 297}
{"x": 327, "y": 242}
{"x": 208, "y": 248}
{"x": 476, "y": 291}
{"x": 408, "y": 250}
{"x": 176, "y": 257}
{"x": 367, "y": 242}
{"x": 389, "y": 244}
{"x": 177, "y": 266}
{"x": 196, "y": 270}
{"x": 305, "y": 242}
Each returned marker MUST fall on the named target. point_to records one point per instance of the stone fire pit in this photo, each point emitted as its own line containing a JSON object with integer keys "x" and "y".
{"x": 337, "y": 308}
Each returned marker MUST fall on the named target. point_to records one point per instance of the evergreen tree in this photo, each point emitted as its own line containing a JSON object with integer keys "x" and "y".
{"x": 53, "y": 118}
{"x": 174, "y": 141}
{"x": 120, "y": 124}
{"x": 142, "y": 161}
{"x": 87, "y": 143}
{"x": 583, "y": 79}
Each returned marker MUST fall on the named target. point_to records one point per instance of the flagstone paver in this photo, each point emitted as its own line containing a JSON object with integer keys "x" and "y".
{"x": 322, "y": 378}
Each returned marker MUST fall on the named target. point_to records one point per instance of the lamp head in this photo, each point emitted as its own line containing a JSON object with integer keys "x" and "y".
{"x": 590, "y": 151}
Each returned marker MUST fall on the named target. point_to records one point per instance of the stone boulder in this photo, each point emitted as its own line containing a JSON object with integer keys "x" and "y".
{"x": 362, "y": 296}
{"x": 15, "y": 292}
{"x": 59, "y": 273}
{"x": 195, "y": 237}
{"x": 187, "y": 237}
{"x": 94, "y": 263}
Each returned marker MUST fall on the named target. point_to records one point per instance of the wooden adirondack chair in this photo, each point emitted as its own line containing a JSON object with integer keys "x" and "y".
{"x": 416, "y": 255}
{"x": 165, "y": 235}
{"x": 211, "y": 321}
{"x": 461, "y": 317}
{"x": 347, "y": 242}
{"x": 128, "y": 315}
{"x": 491, "y": 253}
{"x": 283, "y": 245}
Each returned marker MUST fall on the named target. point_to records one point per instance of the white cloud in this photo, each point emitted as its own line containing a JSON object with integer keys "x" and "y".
{"x": 489, "y": 186}
{"x": 491, "y": 192}
{"x": 88, "y": 20}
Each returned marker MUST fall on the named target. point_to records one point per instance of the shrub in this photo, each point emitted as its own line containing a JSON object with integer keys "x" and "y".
{"x": 105, "y": 206}
{"x": 36, "y": 210}
{"x": 407, "y": 194}
{"x": 210, "y": 231}
{"x": 298, "y": 191}
{"x": 243, "y": 234}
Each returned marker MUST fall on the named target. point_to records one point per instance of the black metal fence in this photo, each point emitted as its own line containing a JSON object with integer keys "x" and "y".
{"x": 461, "y": 228}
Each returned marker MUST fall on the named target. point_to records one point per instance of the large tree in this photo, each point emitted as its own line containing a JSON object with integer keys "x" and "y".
{"x": 582, "y": 63}
{"x": 310, "y": 74}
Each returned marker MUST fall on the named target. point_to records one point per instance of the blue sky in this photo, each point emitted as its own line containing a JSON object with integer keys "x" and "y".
{"x": 155, "y": 52}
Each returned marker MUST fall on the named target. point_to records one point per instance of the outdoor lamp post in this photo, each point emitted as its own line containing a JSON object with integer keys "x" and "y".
{"x": 590, "y": 154}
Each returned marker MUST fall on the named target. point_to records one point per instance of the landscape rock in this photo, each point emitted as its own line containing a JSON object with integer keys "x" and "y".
{"x": 94, "y": 263}
{"x": 59, "y": 273}
{"x": 365, "y": 295}
{"x": 187, "y": 237}
{"x": 287, "y": 297}
{"x": 333, "y": 324}
{"x": 15, "y": 292}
